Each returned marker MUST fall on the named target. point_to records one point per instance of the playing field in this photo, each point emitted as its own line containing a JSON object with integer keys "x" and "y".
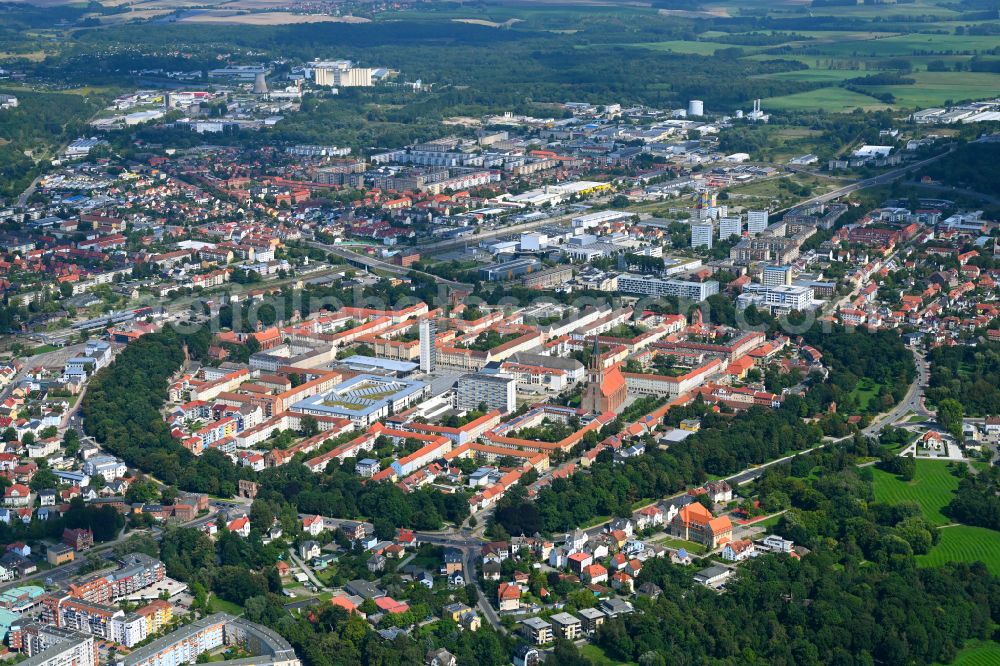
{"x": 963, "y": 543}
{"x": 832, "y": 100}
{"x": 978, "y": 653}
{"x": 932, "y": 488}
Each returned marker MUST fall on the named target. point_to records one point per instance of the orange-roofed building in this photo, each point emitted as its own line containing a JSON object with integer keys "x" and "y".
{"x": 579, "y": 561}
{"x": 509, "y": 596}
{"x": 695, "y": 523}
{"x": 594, "y": 573}
{"x": 390, "y": 605}
{"x": 157, "y": 614}
{"x": 345, "y": 602}
{"x": 606, "y": 389}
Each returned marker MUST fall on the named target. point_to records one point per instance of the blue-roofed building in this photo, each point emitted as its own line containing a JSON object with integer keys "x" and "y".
{"x": 20, "y": 599}
{"x": 364, "y": 399}
{"x": 72, "y": 477}
{"x": 7, "y": 618}
{"x": 373, "y": 364}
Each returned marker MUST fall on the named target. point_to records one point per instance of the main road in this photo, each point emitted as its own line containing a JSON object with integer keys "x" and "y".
{"x": 881, "y": 179}
{"x": 366, "y": 261}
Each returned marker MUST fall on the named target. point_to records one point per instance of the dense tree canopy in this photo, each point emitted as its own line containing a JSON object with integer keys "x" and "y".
{"x": 857, "y": 598}
{"x": 970, "y": 375}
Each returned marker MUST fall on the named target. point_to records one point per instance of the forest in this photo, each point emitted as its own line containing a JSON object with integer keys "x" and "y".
{"x": 977, "y": 501}
{"x": 970, "y": 375}
{"x": 104, "y": 522}
{"x": 856, "y": 598}
{"x": 122, "y": 411}
{"x": 879, "y": 357}
{"x": 473, "y": 66}
{"x": 40, "y": 122}
{"x": 971, "y": 166}
{"x": 726, "y": 444}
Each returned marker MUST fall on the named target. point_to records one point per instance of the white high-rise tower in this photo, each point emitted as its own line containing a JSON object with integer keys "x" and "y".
{"x": 428, "y": 350}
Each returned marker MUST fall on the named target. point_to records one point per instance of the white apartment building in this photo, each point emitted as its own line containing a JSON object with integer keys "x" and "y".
{"x": 129, "y": 629}
{"x": 780, "y": 299}
{"x": 729, "y": 227}
{"x": 498, "y": 392}
{"x": 756, "y": 221}
{"x": 776, "y": 276}
{"x": 701, "y": 235}
{"x": 644, "y": 284}
{"x": 107, "y": 466}
{"x": 428, "y": 350}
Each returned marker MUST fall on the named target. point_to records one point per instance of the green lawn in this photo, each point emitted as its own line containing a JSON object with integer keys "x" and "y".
{"x": 964, "y": 543}
{"x": 690, "y": 546}
{"x": 218, "y": 605}
{"x": 932, "y": 488}
{"x": 833, "y": 100}
{"x": 598, "y": 658}
{"x": 770, "y": 521}
{"x": 865, "y": 390}
{"x": 43, "y": 349}
{"x": 593, "y": 522}
{"x": 978, "y": 653}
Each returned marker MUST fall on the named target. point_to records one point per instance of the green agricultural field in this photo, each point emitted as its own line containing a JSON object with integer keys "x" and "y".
{"x": 932, "y": 488}
{"x": 888, "y": 11}
{"x": 963, "y": 543}
{"x": 978, "y": 653}
{"x": 835, "y": 36}
{"x": 832, "y": 100}
{"x": 821, "y": 75}
{"x": 904, "y": 45}
{"x": 934, "y": 88}
{"x": 695, "y": 48}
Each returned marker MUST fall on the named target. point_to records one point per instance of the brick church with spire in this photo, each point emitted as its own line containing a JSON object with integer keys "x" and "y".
{"x": 606, "y": 390}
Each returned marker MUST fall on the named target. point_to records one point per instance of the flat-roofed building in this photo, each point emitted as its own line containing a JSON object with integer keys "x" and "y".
{"x": 184, "y": 645}
{"x": 51, "y": 646}
{"x": 536, "y": 630}
{"x": 508, "y": 270}
{"x": 590, "y": 619}
{"x": 701, "y": 235}
{"x": 756, "y": 221}
{"x": 566, "y": 626}
{"x": 496, "y": 391}
{"x": 644, "y": 284}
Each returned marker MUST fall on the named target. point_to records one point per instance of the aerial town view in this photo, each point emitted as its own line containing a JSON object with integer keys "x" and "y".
{"x": 492, "y": 332}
